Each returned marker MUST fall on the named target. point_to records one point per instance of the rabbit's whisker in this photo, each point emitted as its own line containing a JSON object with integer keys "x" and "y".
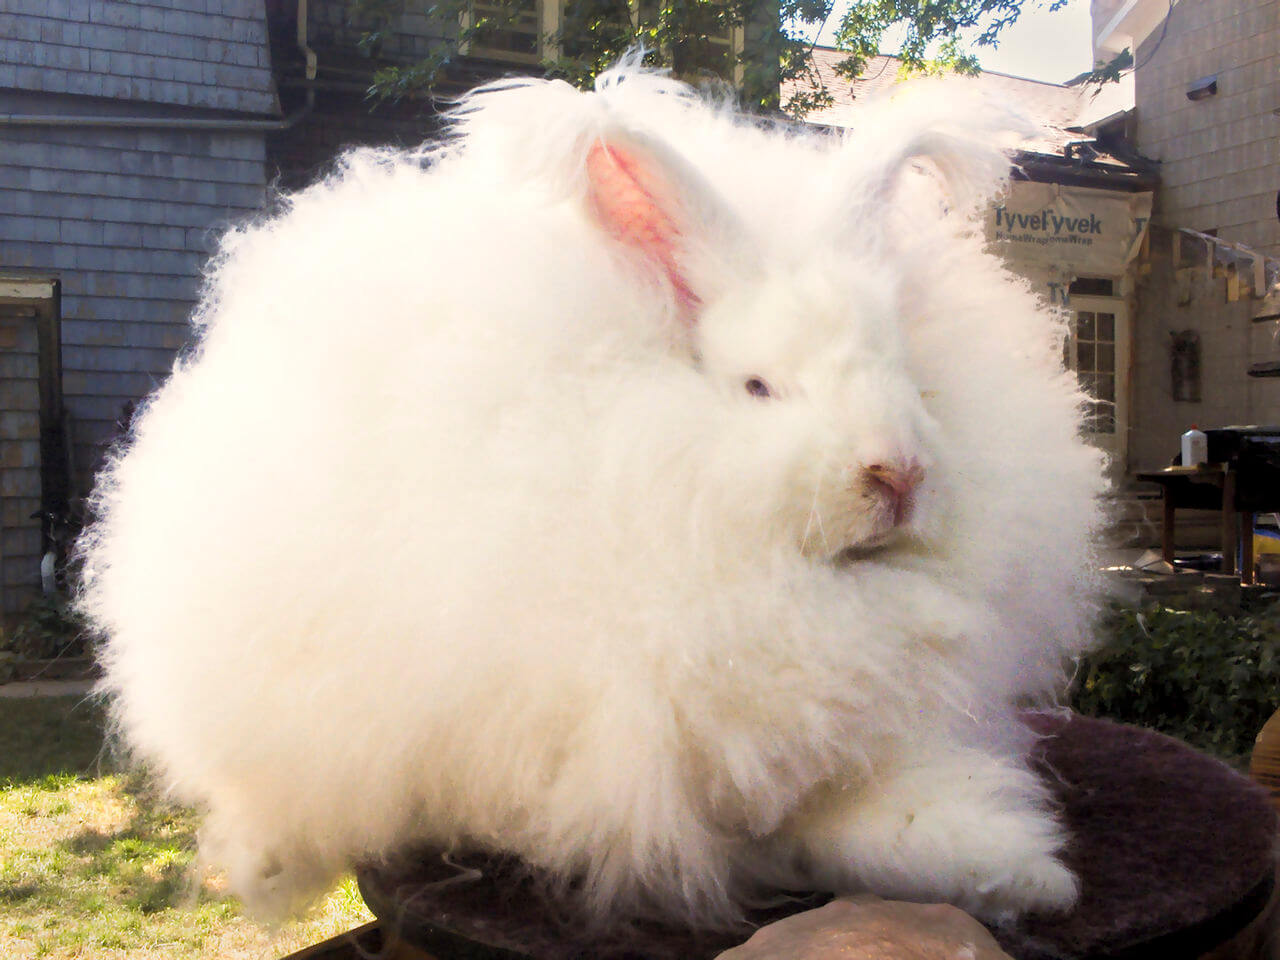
{"x": 815, "y": 520}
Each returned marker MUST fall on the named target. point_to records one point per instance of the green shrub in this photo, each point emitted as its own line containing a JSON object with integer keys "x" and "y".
{"x": 49, "y": 628}
{"x": 1210, "y": 679}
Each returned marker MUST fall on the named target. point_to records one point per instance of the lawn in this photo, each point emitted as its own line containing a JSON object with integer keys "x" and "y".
{"x": 94, "y": 865}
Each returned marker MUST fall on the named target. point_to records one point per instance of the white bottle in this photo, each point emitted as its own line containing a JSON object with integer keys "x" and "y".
{"x": 1195, "y": 447}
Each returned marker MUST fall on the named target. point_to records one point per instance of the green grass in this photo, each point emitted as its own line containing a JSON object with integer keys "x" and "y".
{"x": 94, "y": 865}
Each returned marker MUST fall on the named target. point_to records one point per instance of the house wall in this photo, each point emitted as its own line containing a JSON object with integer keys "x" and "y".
{"x": 1220, "y": 170}
{"x": 1117, "y": 22}
{"x": 341, "y": 120}
{"x": 342, "y": 115}
{"x": 190, "y": 53}
{"x": 122, "y": 218}
{"x": 125, "y": 219}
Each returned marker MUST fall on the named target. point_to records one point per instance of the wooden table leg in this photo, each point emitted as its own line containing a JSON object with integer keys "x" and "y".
{"x": 1230, "y": 520}
{"x": 1166, "y": 527}
{"x": 1246, "y": 548}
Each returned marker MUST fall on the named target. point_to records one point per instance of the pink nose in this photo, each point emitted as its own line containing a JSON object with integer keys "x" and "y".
{"x": 897, "y": 482}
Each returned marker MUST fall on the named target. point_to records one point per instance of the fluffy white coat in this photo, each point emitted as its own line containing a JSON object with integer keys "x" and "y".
{"x": 459, "y": 526}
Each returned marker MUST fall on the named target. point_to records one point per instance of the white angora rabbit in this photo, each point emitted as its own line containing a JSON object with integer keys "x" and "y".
{"x": 678, "y": 502}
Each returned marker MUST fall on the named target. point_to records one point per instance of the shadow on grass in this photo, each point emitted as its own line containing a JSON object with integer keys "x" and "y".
{"x": 51, "y": 736}
{"x": 110, "y": 872}
{"x": 146, "y": 860}
{"x": 92, "y": 859}
{"x": 52, "y": 742}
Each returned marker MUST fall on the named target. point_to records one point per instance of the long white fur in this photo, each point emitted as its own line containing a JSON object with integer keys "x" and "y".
{"x": 451, "y": 532}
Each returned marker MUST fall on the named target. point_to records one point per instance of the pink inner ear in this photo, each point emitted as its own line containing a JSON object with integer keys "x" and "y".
{"x": 625, "y": 194}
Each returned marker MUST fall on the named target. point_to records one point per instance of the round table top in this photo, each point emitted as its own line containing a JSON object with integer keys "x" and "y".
{"x": 1173, "y": 848}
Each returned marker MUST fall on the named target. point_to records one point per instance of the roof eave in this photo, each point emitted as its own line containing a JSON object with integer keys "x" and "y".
{"x": 1047, "y": 168}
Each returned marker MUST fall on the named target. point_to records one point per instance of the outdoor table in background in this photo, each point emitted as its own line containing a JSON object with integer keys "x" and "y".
{"x": 1211, "y": 486}
{"x": 1241, "y": 479}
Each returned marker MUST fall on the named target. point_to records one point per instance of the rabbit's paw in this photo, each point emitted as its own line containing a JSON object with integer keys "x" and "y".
{"x": 1038, "y": 884}
{"x": 981, "y": 840}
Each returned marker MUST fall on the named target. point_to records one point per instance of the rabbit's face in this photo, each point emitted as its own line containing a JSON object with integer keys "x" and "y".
{"x": 814, "y": 363}
{"x": 828, "y": 446}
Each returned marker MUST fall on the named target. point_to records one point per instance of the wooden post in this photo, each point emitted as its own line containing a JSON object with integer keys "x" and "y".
{"x": 1246, "y": 548}
{"x": 1230, "y": 521}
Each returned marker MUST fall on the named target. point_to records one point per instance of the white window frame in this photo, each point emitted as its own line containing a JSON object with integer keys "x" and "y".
{"x": 1116, "y": 444}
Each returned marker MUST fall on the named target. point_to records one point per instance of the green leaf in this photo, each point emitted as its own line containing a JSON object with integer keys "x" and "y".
{"x": 1204, "y": 676}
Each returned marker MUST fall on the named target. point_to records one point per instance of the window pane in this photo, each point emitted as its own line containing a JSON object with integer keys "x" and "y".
{"x": 1085, "y": 325}
{"x": 607, "y": 21}
{"x": 1085, "y": 359}
{"x": 1106, "y": 387}
{"x": 1106, "y": 326}
{"x": 1090, "y": 422}
{"x": 1092, "y": 286}
{"x": 1106, "y": 355}
{"x": 707, "y": 43}
{"x": 507, "y": 30}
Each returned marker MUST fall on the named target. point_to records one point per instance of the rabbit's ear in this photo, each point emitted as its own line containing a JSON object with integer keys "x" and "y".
{"x": 970, "y": 170}
{"x": 644, "y": 203}
{"x": 963, "y": 138}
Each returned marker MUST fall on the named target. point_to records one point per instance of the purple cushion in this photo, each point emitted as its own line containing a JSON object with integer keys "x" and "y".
{"x": 1173, "y": 848}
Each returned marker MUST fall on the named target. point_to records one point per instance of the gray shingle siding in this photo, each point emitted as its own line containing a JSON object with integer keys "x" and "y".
{"x": 188, "y": 53}
{"x": 151, "y": 324}
{"x": 125, "y": 219}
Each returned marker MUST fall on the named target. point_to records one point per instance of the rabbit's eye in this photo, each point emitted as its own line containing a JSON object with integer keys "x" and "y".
{"x": 758, "y": 388}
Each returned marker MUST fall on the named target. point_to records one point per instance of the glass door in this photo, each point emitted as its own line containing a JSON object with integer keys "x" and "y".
{"x": 1097, "y": 349}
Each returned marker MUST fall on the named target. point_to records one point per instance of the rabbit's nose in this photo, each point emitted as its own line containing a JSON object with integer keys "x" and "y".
{"x": 896, "y": 481}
